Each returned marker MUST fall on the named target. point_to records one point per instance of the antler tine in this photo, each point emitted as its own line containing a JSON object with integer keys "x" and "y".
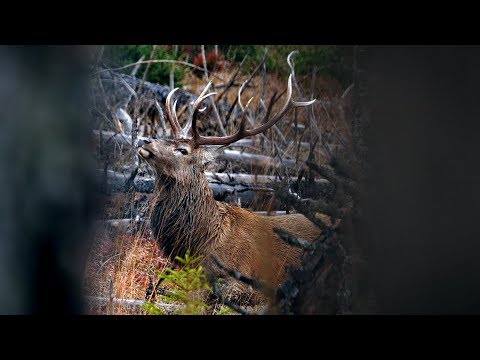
{"x": 192, "y": 122}
{"x": 242, "y": 132}
{"x": 196, "y": 104}
{"x": 172, "y": 114}
{"x": 240, "y": 90}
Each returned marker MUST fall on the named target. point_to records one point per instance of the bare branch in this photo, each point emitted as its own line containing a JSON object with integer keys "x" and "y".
{"x": 172, "y": 68}
{"x": 264, "y": 77}
{"x": 347, "y": 91}
{"x": 137, "y": 66}
{"x": 231, "y": 81}
{"x": 294, "y": 241}
{"x": 218, "y": 118}
{"x": 159, "y": 61}
{"x": 144, "y": 77}
{"x": 235, "y": 84}
{"x": 162, "y": 117}
{"x": 246, "y": 82}
{"x": 204, "y": 60}
{"x": 129, "y": 88}
{"x": 273, "y": 100}
{"x": 328, "y": 173}
{"x": 257, "y": 285}
{"x": 214, "y": 106}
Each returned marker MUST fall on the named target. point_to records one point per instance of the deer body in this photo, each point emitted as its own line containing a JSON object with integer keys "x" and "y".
{"x": 186, "y": 216}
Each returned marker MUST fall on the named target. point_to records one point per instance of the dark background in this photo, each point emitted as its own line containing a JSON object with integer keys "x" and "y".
{"x": 45, "y": 178}
{"x": 424, "y": 194}
{"x": 421, "y": 207}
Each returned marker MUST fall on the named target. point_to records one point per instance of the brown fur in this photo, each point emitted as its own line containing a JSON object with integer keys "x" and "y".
{"x": 185, "y": 217}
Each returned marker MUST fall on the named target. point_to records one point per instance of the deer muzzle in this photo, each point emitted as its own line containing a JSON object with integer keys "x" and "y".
{"x": 142, "y": 151}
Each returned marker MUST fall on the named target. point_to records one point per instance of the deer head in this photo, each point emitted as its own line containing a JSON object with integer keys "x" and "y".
{"x": 177, "y": 157}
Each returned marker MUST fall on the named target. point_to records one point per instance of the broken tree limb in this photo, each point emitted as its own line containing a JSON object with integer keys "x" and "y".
{"x": 103, "y": 301}
{"x": 256, "y": 284}
{"x": 294, "y": 241}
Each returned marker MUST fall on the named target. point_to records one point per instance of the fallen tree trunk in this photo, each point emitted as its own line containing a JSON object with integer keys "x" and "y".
{"x": 103, "y": 301}
{"x": 229, "y": 192}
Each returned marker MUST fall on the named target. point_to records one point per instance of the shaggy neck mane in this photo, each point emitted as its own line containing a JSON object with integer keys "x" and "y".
{"x": 185, "y": 214}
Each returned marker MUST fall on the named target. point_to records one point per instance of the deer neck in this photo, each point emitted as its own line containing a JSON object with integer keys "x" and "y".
{"x": 185, "y": 215}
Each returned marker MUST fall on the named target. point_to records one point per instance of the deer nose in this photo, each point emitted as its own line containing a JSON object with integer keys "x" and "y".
{"x": 143, "y": 142}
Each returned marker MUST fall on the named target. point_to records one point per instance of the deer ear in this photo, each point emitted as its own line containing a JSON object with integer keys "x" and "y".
{"x": 209, "y": 155}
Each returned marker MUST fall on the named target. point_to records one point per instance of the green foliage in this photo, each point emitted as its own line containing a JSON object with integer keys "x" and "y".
{"x": 225, "y": 310}
{"x": 330, "y": 60}
{"x": 187, "y": 284}
{"x": 153, "y": 309}
{"x": 121, "y": 55}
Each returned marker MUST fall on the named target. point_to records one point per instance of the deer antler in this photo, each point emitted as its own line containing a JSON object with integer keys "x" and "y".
{"x": 172, "y": 118}
{"x": 172, "y": 114}
{"x": 196, "y": 106}
{"x": 242, "y": 132}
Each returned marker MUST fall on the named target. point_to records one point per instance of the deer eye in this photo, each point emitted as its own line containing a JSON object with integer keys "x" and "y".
{"x": 182, "y": 151}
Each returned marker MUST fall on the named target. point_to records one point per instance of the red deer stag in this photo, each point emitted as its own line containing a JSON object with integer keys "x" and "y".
{"x": 185, "y": 215}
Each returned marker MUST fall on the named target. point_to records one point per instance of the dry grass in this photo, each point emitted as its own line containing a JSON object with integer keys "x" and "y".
{"x": 120, "y": 259}
{"x": 126, "y": 261}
